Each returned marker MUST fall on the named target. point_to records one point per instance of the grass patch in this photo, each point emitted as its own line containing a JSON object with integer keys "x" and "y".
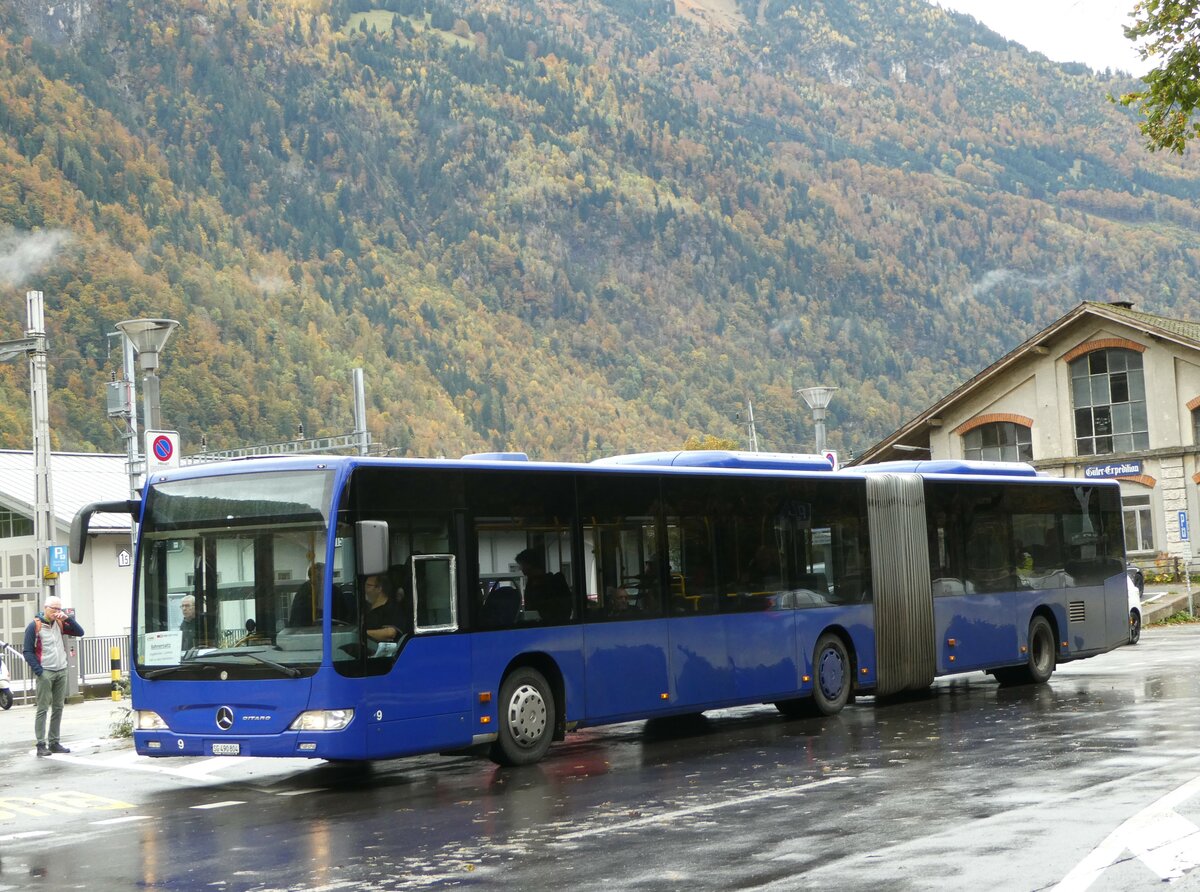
{"x": 1180, "y": 618}
{"x": 121, "y": 718}
{"x": 380, "y": 21}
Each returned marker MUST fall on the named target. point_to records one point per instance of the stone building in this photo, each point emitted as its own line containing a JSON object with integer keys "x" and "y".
{"x": 1105, "y": 391}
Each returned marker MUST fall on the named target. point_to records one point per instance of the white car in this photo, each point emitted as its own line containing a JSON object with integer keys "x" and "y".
{"x": 1135, "y": 612}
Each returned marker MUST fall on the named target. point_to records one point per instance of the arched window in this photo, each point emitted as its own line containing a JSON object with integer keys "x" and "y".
{"x": 998, "y": 441}
{"x": 1108, "y": 389}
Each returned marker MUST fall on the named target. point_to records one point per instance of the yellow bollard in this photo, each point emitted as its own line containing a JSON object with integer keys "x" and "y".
{"x": 114, "y": 655}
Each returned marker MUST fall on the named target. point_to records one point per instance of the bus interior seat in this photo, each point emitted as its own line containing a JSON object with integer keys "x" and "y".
{"x": 501, "y": 608}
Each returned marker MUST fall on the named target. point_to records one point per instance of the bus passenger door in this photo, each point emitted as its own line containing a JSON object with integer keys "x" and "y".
{"x": 423, "y": 702}
{"x": 625, "y": 635}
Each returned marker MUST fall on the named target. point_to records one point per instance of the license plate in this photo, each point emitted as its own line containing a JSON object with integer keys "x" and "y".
{"x": 226, "y": 749}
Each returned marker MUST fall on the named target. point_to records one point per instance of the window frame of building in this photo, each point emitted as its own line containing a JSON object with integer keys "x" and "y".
{"x": 999, "y": 441}
{"x": 14, "y": 524}
{"x": 1108, "y": 402}
{"x": 1138, "y": 512}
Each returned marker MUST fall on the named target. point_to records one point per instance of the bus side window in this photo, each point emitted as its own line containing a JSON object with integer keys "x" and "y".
{"x": 436, "y": 606}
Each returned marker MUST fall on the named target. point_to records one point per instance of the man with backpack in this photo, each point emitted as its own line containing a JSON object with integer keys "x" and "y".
{"x": 46, "y": 653}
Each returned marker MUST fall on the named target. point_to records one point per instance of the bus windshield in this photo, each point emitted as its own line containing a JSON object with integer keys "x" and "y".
{"x": 232, "y": 576}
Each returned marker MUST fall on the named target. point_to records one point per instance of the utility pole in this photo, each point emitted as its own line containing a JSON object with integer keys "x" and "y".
{"x": 39, "y": 399}
{"x": 360, "y": 413}
{"x": 33, "y": 345}
{"x": 753, "y": 432}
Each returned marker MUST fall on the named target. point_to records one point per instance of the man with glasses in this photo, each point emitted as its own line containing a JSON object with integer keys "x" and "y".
{"x": 46, "y": 653}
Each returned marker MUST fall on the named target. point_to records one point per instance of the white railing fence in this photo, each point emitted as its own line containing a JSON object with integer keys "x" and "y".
{"x": 95, "y": 657}
{"x": 95, "y": 664}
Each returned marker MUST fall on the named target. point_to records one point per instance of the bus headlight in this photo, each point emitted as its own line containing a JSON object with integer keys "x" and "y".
{"x": 323, "y": 720}
{"x": 147, "y": 720}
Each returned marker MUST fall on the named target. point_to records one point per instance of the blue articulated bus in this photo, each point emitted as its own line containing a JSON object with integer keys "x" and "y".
{"x": 355, "y": 608}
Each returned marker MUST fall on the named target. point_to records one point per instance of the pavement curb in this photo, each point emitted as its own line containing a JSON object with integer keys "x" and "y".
{"x": 1158, "y": 605}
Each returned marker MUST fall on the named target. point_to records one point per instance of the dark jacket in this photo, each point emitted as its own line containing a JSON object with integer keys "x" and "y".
{"x": 33, "y": 639}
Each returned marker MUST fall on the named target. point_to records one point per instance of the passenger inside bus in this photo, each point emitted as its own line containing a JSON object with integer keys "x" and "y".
{"x": 306, "y": 604}
{"x": 619, "y": 603}
{"x": 307, "y": 609}
{"x": 547, "y": 593}
{"x": 188, "y": 627}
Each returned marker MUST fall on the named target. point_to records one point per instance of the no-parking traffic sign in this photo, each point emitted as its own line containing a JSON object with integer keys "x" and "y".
{"x": 162, "y": 450}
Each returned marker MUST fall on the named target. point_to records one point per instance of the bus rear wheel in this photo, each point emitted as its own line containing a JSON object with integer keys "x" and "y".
{"x": 526, "y": 718}
{"x": 1041, "y": 658}
{"x": 833, "y": 674}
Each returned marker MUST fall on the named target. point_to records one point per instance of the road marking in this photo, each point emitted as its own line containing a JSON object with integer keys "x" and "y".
{"x": 27, "y": 834}
{"x": 63, "y": 802}
{"x": 225, "y": 804}
{"x": 668, "y": 817}
{"x": 197, "y": 771}
{"x": 124, "y": 820}
{"x": 1158, "y": 836}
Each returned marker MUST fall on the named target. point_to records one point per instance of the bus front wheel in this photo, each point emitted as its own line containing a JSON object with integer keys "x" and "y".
{"x": 526, "y": 718}
{"x": 833, "y": 674}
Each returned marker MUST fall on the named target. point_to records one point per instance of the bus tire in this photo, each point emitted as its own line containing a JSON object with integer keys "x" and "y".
{"x": 527, "y": 718}
{"x": 833, "y": 674}
{"x": 1040, "y": 660}
{"x": 1135, "y": 627}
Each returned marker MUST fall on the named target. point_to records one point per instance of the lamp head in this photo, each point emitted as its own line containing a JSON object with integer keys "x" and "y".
{"x": 816, "y": 397}
{"x": 148, "y": 336}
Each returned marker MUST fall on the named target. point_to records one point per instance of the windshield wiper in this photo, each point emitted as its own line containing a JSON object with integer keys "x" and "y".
{"x": 165, "y": 670}
{"x": 207, "y": 660}
{"x": 290, "y": 671}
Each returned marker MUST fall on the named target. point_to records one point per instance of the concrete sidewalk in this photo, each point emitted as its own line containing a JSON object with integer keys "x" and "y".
{"x": 86, "y": 727}
{"x": 1161, "y": 601}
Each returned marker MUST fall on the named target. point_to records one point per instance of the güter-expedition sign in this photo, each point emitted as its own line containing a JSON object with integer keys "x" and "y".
{"x": 1113, "y": 469}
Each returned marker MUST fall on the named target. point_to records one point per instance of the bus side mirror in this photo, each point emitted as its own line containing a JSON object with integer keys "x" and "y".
{"x": 79, "y": 524}
{"x": 374, "y": 553}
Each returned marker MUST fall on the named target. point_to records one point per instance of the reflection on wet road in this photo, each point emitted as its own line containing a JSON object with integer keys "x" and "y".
{"x": 1085, "y": 782}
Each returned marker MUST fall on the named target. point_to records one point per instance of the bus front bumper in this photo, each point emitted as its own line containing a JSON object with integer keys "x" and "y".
{"x": 287, "y": 744}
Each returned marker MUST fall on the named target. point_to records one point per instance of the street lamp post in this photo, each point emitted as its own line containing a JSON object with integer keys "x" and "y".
{"x": 818, "y": 399}
{"x": 149, "y": 337}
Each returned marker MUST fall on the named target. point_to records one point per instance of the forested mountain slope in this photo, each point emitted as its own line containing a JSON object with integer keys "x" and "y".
{"x": 570, "y": 228}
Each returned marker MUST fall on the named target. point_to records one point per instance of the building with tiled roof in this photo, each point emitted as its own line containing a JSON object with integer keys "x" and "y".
{"x": 99, "y": 589}
{"x": 1105, "y": 391}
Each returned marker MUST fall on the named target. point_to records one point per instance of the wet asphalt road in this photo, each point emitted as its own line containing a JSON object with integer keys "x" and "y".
{"x": 1091, "y": 781}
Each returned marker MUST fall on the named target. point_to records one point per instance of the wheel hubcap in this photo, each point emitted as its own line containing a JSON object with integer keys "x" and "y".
{"x": 831, "y": 674}
{"x": 527, "y": 716}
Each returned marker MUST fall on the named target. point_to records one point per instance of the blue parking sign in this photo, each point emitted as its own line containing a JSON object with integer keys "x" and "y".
{"x": 58, "y": 559}
{"x": 1183, "y": 526}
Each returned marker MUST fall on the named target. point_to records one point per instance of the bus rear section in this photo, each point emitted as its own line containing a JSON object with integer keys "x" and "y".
{"x": 1020, "y": 574}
